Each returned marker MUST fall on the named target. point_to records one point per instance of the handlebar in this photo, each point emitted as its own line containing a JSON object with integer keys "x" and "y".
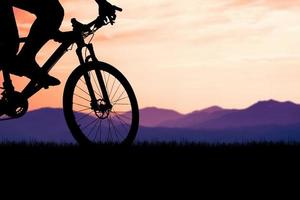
{"x": 97, "y": 23}
{"x": 87, "y": 29}
{"x": 117, "y": 8}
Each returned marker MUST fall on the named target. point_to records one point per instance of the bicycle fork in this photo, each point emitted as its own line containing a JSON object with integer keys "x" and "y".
{"x": 96, "y": 104}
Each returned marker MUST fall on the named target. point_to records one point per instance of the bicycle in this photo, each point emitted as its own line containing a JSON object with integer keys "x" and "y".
{"x": 99, "y": 103}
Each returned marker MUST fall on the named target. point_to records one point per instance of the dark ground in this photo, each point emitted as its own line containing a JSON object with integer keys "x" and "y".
{"x": 152, "y": 155}
{"x": 152, "y": 165}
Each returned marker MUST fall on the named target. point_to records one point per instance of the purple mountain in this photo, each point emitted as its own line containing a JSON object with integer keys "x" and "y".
{"x": 153, "y": 117}
{"x": 263, "y": 113}
{"x": 46, "y": 124}
{"x": 266, "y": 120}
{"x": 269, "y": 112}
{"x": 195, "y": 118}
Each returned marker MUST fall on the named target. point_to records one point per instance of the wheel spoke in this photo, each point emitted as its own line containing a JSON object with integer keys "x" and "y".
{"x": 115, "y": 129}
{"x": 82, "y": 110}
{"x": 123, "y": 123}
{"x": 92, "y": 122}
{"x": 86, "y": 91}
{"x": 81, "y": 97}
{"x": 120, "y": 99}
{"x": 84, "y": 116}
{"x": 82, "y": 81}
{"x": 106, "y": 84}
{"x": 116, "y": 91}
{"x": 82, "y": 90}
{"x": 124, "y": 116}
{"x": 122, "y": 104}
{"x": 78, "y": 104}
{"x": 111, "y": 90}
{"x": 95, "y": 132}
{"x": 120, "y": 95}
{"x": 92, "y": 130}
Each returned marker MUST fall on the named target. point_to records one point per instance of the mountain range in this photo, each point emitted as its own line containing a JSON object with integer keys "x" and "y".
{"x": 269, "y": 112}
{"x": 263, "y": 121}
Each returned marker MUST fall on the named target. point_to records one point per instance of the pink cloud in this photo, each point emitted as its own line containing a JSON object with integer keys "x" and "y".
{"x": 275, "y": 4}
{"x": 23, "y": 16}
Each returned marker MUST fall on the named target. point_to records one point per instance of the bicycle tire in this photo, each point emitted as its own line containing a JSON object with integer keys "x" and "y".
{"x": 70, "y": 112}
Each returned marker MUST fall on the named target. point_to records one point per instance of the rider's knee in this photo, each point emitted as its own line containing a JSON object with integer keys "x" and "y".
{"x": 52, "y": 15}
{"x": 58, "y": 13}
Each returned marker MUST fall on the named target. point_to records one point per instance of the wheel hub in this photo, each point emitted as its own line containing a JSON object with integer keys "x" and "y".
{"x": 102, "y": 110}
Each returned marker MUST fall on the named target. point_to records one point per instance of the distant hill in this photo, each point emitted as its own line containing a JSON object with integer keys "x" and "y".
{"x": 263, "y": 113}
{"x": 47, "y": 124}
{"x": 263, "y": 121}
{"x": 153, "y": 117}
{"x": 195, "y": 118}
{"x": 269, "y": 112}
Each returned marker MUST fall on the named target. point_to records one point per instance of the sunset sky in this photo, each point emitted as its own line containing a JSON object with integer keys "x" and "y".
{"x": 188, "y": 55}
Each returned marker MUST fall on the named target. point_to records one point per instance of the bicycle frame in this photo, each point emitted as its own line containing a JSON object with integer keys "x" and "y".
{"x": 32, "y": 88}
{"x": 76, "y": 37}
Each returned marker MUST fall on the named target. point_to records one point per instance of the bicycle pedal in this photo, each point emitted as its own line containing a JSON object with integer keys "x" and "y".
{"x": 42, "y": 86}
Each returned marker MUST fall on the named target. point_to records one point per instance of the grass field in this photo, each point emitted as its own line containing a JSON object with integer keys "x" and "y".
{"x": 161, "y": 164}
{"x": 152, "y": 153}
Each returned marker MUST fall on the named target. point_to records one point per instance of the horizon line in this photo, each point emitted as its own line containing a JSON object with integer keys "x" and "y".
{"x": 172, "y": 109}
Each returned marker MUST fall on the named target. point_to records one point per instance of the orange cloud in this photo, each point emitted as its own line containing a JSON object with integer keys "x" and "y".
{"x": 24, "y": 21}
{"x": 23, "y": 16}
{"x": 275, "y": 4}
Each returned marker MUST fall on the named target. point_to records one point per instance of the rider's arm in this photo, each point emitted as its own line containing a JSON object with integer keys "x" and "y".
{"x": 104, "y": 6}
{"x": 99, "y": 1}
{"x": 107, "y": 11}
{"x": 103, "y": 3}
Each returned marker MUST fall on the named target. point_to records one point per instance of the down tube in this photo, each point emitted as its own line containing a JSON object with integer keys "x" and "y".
{"x": 32, "y": 88}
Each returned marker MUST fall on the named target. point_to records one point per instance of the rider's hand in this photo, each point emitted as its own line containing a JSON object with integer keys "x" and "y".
{"x": 107, "y": 12}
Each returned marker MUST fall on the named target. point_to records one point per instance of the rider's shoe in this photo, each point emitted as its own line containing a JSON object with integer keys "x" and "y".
{"x": 32, "y": 70}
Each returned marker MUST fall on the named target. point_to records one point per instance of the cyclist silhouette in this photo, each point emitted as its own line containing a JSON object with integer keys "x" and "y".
{"x": 49, "y": 15}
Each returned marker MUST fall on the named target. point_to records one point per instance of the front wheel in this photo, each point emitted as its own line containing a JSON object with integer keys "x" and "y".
{"x": 89, "y": 125}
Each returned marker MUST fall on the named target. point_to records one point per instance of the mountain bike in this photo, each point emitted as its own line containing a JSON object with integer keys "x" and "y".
{"x": 99, "y": 103}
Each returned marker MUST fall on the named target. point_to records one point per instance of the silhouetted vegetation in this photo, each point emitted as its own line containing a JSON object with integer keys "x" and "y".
{"x": 151, "y": 153}
{"x": 171, "y": 162}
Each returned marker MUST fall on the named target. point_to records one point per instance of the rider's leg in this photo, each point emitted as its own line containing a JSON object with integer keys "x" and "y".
{"x": 8, "y": 34}
{"x": 49, "y": 15}
{"x": 9, "y": 43}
